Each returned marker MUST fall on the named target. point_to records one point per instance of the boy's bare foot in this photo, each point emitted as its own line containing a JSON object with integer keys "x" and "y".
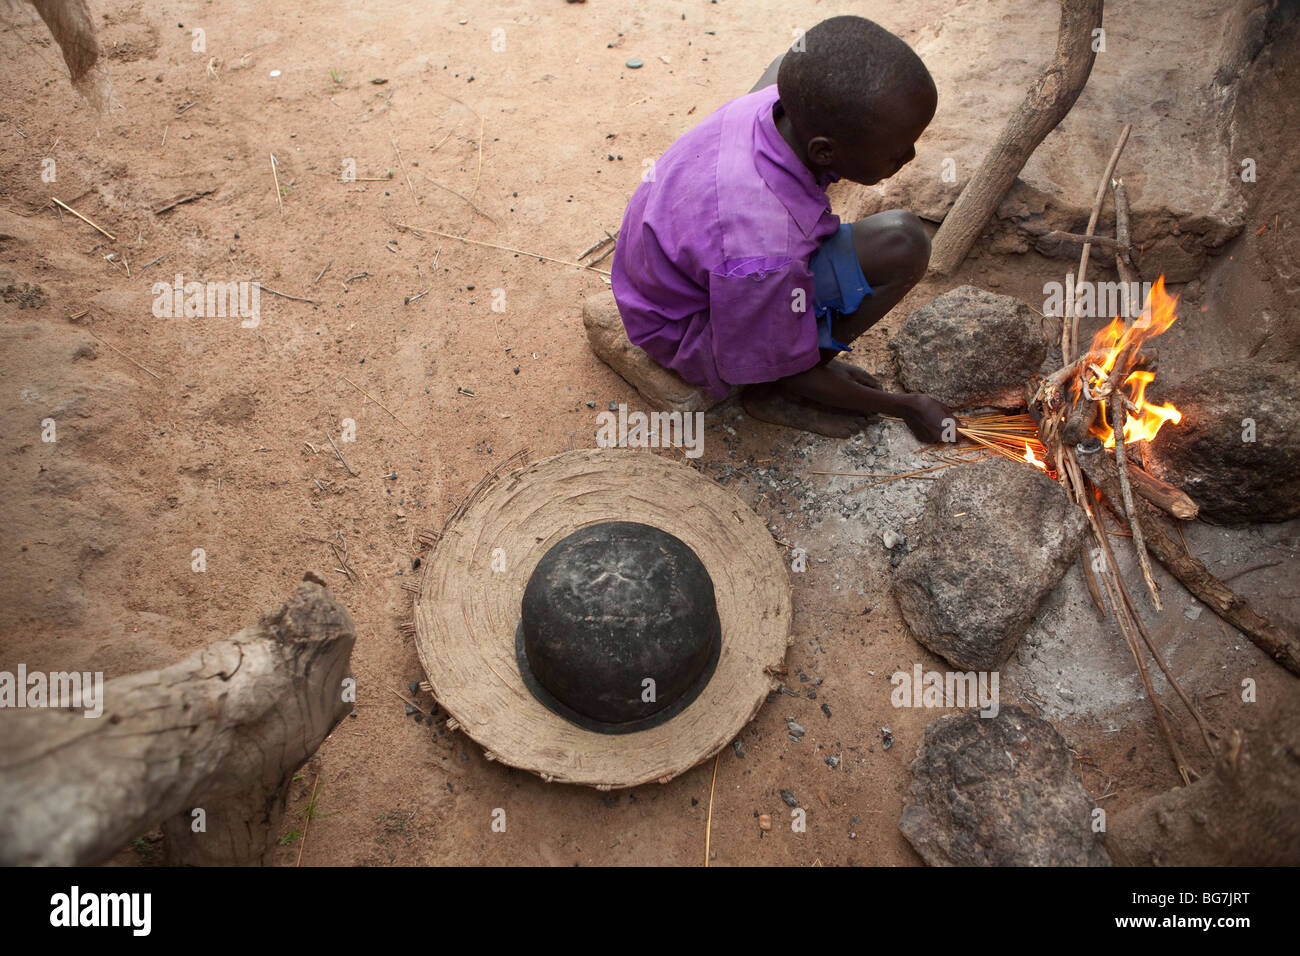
{"x": 771, "y": 403}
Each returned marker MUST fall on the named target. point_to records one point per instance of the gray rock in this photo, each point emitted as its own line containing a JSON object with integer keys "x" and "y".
{"x": 1242, "y": 813}
{"x": 789, "y": 799}
{"x": 1234, "y": 481}
{"x": 968, "y": 348}
{"x": 1187, "y": 193}
{"x": 661, "y": 387}
{"x": 998, "y": 791}
{"x": 973, "y": 583}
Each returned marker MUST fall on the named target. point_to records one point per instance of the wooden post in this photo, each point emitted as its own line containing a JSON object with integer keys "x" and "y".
{"x": 1045, "y": 105}
{"x": 221, "y": 732}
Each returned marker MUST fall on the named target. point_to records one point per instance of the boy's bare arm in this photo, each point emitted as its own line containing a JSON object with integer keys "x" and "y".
{"x": 921, "y": 413}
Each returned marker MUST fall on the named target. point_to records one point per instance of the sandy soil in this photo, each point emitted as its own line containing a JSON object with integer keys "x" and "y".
{"x": 224, "y": 447}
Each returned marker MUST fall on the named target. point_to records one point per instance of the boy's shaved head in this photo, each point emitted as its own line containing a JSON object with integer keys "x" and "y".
{"x": 848, "y": 75}
{"x": 850, "y": 80}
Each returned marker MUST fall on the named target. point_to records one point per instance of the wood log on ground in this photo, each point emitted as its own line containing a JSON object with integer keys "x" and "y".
{"x": 222, "y": 731}
{"x": 1166, "y": 497}
{"x": 1164, "y": 543}
{"x": 1044, "y": 106}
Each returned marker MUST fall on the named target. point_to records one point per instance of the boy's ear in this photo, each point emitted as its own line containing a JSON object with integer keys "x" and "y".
{"x": 821, "y": 150}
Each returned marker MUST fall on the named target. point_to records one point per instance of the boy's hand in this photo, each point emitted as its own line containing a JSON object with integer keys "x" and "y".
{"x": 929, "y": 420}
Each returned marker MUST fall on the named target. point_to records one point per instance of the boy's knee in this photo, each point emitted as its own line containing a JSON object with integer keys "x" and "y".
{"x": 893, "y": 246}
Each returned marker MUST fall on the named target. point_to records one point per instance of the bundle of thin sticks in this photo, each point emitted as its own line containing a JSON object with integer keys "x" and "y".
{"x": 1011, "y": 436}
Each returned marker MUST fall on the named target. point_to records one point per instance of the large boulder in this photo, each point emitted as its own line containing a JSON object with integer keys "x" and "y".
{"x": 1183, "y": 161}
{"x": 968, "y": 348}
{"x": 999, "y": 791}
{"x": 659, "y": 386}
{"x": 995, "y": 539}
{"x": 1237, "y": 449}
{"x": 1243, "y": 813}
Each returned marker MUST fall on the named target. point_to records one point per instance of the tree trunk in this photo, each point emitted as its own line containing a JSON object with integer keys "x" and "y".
{"x": 221, "y": 732}
{"x": 1045, "y": 105}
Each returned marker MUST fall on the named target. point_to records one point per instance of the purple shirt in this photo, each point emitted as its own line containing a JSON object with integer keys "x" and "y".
{"x": 711, "y": 270}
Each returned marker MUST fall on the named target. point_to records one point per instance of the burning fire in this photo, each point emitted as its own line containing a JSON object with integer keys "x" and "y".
{"x": 1144, "y": 418}
{"x": 1033, "y": 459}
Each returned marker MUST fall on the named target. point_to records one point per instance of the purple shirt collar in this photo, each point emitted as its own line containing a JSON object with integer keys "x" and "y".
{"x": 786, "y": 175}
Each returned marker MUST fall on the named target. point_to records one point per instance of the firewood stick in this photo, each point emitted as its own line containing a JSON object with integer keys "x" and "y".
{"x": 1129, "y": 628}
{"x": 1104, "y": 243}
{"x": 1045, "y": 105}
{"x": 1164, "y": 668}
{"x": 1193, "y": 575}
{"x": 1124, "y": 619}
{"x": 1116, "y": 407}
{"x": 1124, "y": 264}
{"x": 1070, "y": 343}
{"x": 1166, "y": 497}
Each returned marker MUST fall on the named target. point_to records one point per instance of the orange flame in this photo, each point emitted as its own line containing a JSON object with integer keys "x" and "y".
{"x": 1033, "y": 459}
{"x": 1115, "y": 340}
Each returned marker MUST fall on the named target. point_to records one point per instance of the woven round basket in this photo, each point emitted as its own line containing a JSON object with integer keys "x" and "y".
{"x": 469, "y": 603}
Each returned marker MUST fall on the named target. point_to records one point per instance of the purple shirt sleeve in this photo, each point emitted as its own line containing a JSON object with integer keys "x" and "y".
{"x": 764, "y": 326}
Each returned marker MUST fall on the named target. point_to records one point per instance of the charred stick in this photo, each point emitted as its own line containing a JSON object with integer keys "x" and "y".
{"x": 1104, "y": 243}
{"x": 1198, "y": 580}
{"x": 1116, "y": 406}
{"x": 1124, "y": 264}
{"x": 1164, "y": 496}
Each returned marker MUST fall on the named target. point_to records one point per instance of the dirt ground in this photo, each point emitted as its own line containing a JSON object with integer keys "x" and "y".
{"x": 176, "y": 434}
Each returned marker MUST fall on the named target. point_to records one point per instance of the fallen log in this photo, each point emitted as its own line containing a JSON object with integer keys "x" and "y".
{"x": 1165, "y": 545}
{"x": 221, "y": 732}
{"x": 1171, "y": 500}
{"x": 1044, "y": 106}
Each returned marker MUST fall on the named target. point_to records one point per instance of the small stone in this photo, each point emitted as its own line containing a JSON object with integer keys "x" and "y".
{"x": 827, "y": 711}
{"x": 634, "y": 64}
{"x": 789, "y": 799}
{"x": 795, "y": 729}
{"x": 892, "y": 539}
{"x": 1192, "y": 612}
{"x": 613, "y": 406}
{"x": 413, "y": 687}
{"x": 886, "y": 738}
{"x": 765, "y": 821}
{"x": 409, "y": 710}
{"x": 832, "y": 762}
{"x": 739, "y": 748}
